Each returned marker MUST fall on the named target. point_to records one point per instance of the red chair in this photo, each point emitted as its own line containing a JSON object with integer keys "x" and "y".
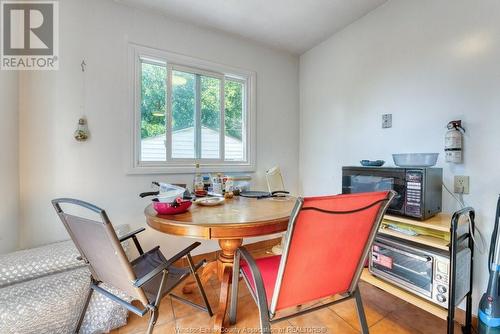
{"x": 325, "y": 248}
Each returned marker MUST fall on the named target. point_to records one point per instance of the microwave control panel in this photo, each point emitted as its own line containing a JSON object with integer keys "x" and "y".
{"x": 414, "y": 198}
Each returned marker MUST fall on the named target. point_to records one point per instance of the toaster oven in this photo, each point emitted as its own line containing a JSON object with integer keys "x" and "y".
{"x": 421, "y": 270}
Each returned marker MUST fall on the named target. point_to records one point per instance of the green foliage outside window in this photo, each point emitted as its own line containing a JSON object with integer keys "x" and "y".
{"x": 210, "y": 103}
{"x": 183, "y": 100}
{"x": 233, "y": 118}
{"x": 153, "y": 102}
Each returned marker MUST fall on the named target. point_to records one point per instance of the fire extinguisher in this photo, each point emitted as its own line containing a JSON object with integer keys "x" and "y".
{"x": 453, "y": 142}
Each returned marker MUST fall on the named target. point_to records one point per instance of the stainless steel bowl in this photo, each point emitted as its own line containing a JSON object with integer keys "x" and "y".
{"x": 415, "y": 159}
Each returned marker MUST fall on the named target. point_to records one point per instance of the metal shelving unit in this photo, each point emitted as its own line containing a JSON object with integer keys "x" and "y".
{"x": 457, "y": 236}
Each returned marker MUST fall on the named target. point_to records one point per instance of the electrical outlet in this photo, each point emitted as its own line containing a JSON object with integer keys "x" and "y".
{"x": 461, "y": 184}
{"x": 386, "y": 121}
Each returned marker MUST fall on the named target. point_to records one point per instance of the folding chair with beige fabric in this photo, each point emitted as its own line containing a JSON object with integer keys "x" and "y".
{"x": 147, "y": 278}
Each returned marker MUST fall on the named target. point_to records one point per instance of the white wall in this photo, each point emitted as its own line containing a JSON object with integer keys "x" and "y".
{"x": 427, "y": 62}
{"x": 53, "y": 164}
{"x": 9, "y": 162}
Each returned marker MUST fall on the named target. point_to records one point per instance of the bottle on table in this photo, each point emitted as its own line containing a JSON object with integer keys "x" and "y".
{"x": 198, "y": 185}
{"x": 229, "y": 188}
{"x": 217, "y": 184}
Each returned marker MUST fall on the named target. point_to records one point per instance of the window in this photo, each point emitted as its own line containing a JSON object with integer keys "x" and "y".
{"x": 189, "y": 111}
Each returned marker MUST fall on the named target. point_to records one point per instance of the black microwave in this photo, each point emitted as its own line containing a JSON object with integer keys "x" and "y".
{"x": 419, "y": 190}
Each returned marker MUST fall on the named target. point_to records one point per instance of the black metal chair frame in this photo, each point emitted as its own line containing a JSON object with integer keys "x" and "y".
{"x": 163, "y": 269}
{"x": 267, "y": 314}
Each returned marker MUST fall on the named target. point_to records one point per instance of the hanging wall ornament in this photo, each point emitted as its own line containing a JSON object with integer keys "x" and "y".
{"x": 82, "y": 130}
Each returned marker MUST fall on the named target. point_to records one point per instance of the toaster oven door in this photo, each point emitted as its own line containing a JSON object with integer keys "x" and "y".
{"x": 404, "y": 266}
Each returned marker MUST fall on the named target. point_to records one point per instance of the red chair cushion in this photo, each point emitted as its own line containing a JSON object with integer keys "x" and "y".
{"x": 268, "y": 267}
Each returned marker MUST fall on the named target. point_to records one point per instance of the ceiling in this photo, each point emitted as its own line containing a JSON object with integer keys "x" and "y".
{"x": 291, "y": 25}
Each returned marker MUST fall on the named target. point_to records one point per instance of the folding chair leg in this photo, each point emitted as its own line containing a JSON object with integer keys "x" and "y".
{"x": 265, "y": 325}
{"x": 152, "y": 320}
{"x": 200, "y": 286}
{"x": 155, "y": 307}
{"x": 361, "y": 312}
{"x": 82, "y": 314}
{"x": 234, "y": 289}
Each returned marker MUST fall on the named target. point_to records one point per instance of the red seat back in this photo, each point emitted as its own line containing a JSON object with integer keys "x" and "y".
{"x": 327, "y": 248}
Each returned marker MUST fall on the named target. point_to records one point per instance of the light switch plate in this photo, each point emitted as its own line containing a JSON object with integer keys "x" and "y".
{"x": 461, "y": 185}
{"x": 386, "y": 121}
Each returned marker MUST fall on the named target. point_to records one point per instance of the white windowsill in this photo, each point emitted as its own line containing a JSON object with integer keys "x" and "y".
{"x": 190, "y": 169}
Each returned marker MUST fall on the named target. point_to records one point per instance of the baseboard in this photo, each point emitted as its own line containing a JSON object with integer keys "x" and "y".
{"x": 253, "y": 247}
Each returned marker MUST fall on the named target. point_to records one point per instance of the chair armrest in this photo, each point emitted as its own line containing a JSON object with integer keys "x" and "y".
{"x": 149, "y": 276}
{"x": 134, "y": 238}
{"x": 257, "y": 277}
{"x": 131, "y": 234}
{"x": 183, "y": 253}
{"x": 199, "y": 264}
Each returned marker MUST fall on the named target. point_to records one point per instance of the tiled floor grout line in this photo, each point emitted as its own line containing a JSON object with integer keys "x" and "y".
{"x": 344, "y": 320}
{"x": 379, "y": 320}
{"x": 384, "y": 316}
{"x": 387, "y": 315}
{"x": 415, "y": 329}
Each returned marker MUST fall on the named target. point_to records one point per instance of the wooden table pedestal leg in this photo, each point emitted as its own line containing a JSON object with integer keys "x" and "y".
{"x": 225, "y": 268}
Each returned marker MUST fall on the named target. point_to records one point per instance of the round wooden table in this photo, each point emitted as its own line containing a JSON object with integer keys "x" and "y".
{"x": 229, "y": 223}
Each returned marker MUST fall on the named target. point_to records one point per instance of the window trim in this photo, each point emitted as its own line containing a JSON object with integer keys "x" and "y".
{"x": 178, "y": 61}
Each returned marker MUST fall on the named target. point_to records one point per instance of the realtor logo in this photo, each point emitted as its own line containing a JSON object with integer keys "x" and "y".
{"x": 29, "y": 35}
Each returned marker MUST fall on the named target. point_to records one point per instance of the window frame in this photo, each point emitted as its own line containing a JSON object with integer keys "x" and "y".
{"x": 174, "y": 61}
{"x": 198, "y": 146}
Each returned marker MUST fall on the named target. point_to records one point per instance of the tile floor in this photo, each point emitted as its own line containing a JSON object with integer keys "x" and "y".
{"x": 385, "y": 315}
